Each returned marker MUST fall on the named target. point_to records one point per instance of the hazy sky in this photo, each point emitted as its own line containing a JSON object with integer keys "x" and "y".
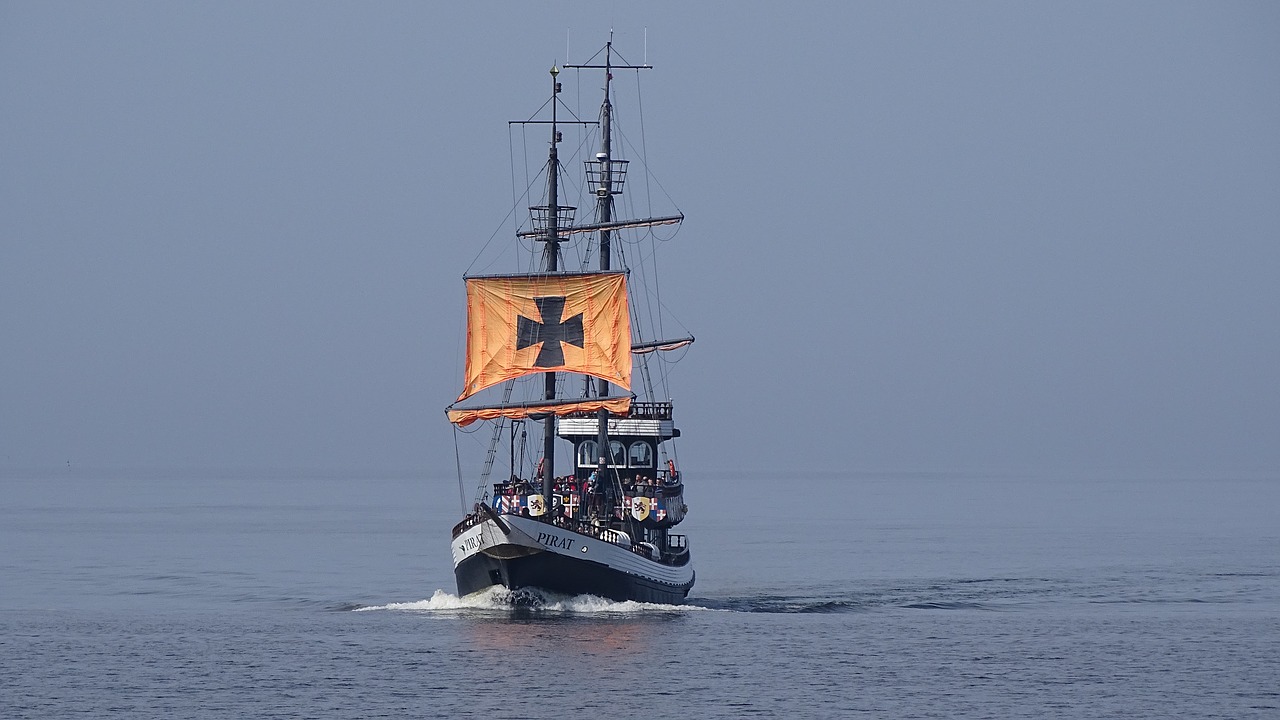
{"x": 920, "y": 235}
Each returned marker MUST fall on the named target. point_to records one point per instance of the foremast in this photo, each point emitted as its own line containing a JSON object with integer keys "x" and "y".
{"x": 551, "y": 263}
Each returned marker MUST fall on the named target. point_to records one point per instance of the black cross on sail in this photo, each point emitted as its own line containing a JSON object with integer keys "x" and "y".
{"x": 551, "y": 332}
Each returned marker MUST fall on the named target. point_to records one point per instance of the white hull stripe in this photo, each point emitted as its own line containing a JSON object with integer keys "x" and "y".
{"x": 542, "y": 536}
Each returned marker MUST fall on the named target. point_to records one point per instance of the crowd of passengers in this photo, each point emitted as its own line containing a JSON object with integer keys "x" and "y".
{"x": 570, "y": 485}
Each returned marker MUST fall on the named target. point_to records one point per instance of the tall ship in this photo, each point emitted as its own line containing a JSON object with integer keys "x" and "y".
{"x": 579, "y": 491}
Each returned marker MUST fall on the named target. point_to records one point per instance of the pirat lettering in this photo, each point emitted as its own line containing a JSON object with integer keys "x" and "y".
{"x": 555, "y": 541}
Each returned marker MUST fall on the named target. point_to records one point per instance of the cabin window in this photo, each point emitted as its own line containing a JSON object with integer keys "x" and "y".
{"x": 588, "y": 454}
{"x": 641, "y": 455}
{"x": 618, "y": 454}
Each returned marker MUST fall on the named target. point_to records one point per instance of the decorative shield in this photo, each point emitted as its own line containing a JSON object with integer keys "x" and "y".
{"x": 569, "y": 504}
{"x": 640, "y": 507}
{"x": 537, "y": 505}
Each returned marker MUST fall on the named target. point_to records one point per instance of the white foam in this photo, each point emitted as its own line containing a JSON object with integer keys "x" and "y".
{"x": 498, "y": 598}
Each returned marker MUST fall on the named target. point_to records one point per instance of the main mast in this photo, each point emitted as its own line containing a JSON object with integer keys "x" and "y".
{"x": 604, "y": 213}
{"x": 606, "y": 175}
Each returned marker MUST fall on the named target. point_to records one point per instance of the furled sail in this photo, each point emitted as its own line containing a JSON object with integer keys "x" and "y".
{"x": 613, "y": 225}
{"x": 520, "y": 325}
{"x": 642, "y": 348}
{"x": 464, "y": 416}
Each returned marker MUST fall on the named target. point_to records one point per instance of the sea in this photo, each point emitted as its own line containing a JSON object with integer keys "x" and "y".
{"x": 197, "y": 594}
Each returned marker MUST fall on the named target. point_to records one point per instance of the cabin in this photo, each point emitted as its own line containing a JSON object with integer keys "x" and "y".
{"x": 633, "y": 441}
{"x": 640, "y": 498}
{"x": 632, "y": 462}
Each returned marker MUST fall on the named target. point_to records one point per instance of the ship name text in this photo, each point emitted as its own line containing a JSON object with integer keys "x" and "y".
{"x": 469, "y": 544}
{"x": 555, "y": 541}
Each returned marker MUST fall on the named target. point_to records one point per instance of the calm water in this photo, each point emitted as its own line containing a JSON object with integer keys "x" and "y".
{"x": 900, "y": 596}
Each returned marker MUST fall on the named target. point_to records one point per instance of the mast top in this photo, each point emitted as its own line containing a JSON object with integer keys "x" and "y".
{"x": 608, "y": 61}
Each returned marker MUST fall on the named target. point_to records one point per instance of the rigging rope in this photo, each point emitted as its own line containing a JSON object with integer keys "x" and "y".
{"x": 457, "y": 458}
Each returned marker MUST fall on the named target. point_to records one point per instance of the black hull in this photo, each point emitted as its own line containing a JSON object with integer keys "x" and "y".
{"x": 564, "y": 575}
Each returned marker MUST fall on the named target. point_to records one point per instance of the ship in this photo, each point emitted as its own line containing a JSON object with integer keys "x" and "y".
{"x": 566, "y": 352}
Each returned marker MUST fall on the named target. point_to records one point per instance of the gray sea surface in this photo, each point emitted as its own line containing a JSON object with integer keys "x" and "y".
{"x": 309, "y": 595}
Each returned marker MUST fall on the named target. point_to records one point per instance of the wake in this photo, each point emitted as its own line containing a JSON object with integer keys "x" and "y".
{"x": 497, "y": 599}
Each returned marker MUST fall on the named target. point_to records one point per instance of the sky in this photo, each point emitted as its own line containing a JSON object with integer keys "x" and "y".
{"x": 992, "y": 236}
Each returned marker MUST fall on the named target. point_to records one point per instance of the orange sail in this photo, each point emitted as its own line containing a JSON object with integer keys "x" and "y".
{"x": 520, "y": 325}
